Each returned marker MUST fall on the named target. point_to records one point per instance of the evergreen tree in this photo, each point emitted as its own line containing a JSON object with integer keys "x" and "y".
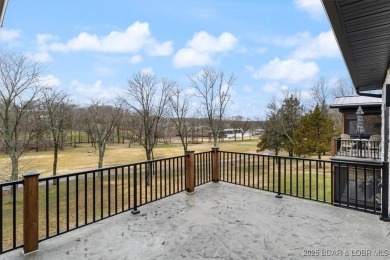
{"x": 289, "y": 115}
{"x": 314, "y": 133}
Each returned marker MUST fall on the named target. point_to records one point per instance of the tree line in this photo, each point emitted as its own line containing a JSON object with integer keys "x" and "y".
{"x": 35, "y": 114}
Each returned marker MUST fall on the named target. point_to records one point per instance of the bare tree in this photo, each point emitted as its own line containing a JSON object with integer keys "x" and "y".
{"x": 102, "y": 121}
{"x": 59, "y": 114}
{"x": 241, "y": 123}
{"x": 213, "y": 88}
{"x": 320, "y": 93}
{"x": 343, "y": 88}
{"x": 148, "y": 99}
{"x": 179, "y": 107}
{"x": 20, "y": 90}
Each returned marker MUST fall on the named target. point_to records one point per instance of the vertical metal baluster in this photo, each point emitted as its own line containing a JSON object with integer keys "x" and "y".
{"x": 58, "y": 205}
{"x": 310, "y": 187}
{"x": 365, "y": 187}
{"x": 331, "y": 183}
{"x": 128, "y": 188}
{"x": 123, "y": 188}
{"x": 47, "y": 208}
{"x": 77, "y": 201}
{"x": 284, "y": 174}
{"x": 258, "y": 171}
{"x": 165, "y": 178}
{"x": 339, "y": 187}
{"x": 109, "y": 191}
{"x": 245, "y": 170}
{"x": 253, "y": 171}
{"x": 323, "y": 169}
{"x": 317, "y": 162}
{"x": 273, "y": 173}
{"x": 268, "y": 169}
{"x": 297, "y": 177}
{"x": 85, "y": 199}
{"x": 291, "y": 162}
{"x": 230, "y": 165}
{"x": 155, "y": 181}
{"x": 235, "y": 168}
{"x": 116, "y": 190}
{"x": 93, "y": 196}
{"x": 160, "y": 164}
{"x": 303, "y": 175}
{"x": 140, "y": 185}
{"x": 101, "y": 195}
{"x": 356, "y": 187}
{"x": 262, "y": 178}
{"x": 177, "y": 175}
{"x": 67, "y": 203}
{"x": 375, "y": 184}
{"x": 14, "y": 187}
{"x": 242, "y": 167}
{"x": 348, "y": 185}
{"x": 173, "y": 176}
{"x": 169, "y": 174}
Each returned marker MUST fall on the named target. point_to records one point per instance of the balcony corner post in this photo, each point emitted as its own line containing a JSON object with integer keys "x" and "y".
{"x": 30, "y": 212}
{"x": 215, "y": 164}
{"x": 190, "y": 171}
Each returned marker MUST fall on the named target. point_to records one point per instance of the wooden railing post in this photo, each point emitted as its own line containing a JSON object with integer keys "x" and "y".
{"x": 190, "y": 171}
{"x": 30, "y": 212}
{"x": 333, "y": 147}
{"x": 215, "y": 164}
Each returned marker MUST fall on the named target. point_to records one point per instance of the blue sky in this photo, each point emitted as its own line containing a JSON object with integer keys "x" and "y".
{"x": 92, "y": 47}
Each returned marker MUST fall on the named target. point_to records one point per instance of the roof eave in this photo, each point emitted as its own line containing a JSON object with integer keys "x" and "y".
{"x": 335, "y": 20}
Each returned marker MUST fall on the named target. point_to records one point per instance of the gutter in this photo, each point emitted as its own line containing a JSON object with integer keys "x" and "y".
{"x": 368, "y": 94}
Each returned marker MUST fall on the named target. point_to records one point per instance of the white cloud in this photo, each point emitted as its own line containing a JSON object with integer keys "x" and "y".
{"x": 189, "y": 57}
{"x": 289, "y": 70}
{"x": 324, "y": 45}
{"x": 313, "y": 7}
{"x": 200, "y": 49}
{"x": 134, "y": 39}
{"x": 95, "y": 90}
{"x": 291, "y": 41}
{"x": 49, "y": 80}
{"x": 8, "y": 35}
{"x": 44, "y": 38}
{"x": 41, "y": 57}
{"x": 156, "y": 49}
{"x": 135, "y": 59}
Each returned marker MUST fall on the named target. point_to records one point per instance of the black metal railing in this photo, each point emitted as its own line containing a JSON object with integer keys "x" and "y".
{"x": 68, "y": 202}
{"x": 348, "y": 184}
{"x": 11, "y": 215}
{"x": 203, "y": 168}
{"x": 358, "y": 148}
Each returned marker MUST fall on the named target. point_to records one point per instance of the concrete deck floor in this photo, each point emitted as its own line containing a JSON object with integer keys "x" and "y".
{"x": 225, "y": 221}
